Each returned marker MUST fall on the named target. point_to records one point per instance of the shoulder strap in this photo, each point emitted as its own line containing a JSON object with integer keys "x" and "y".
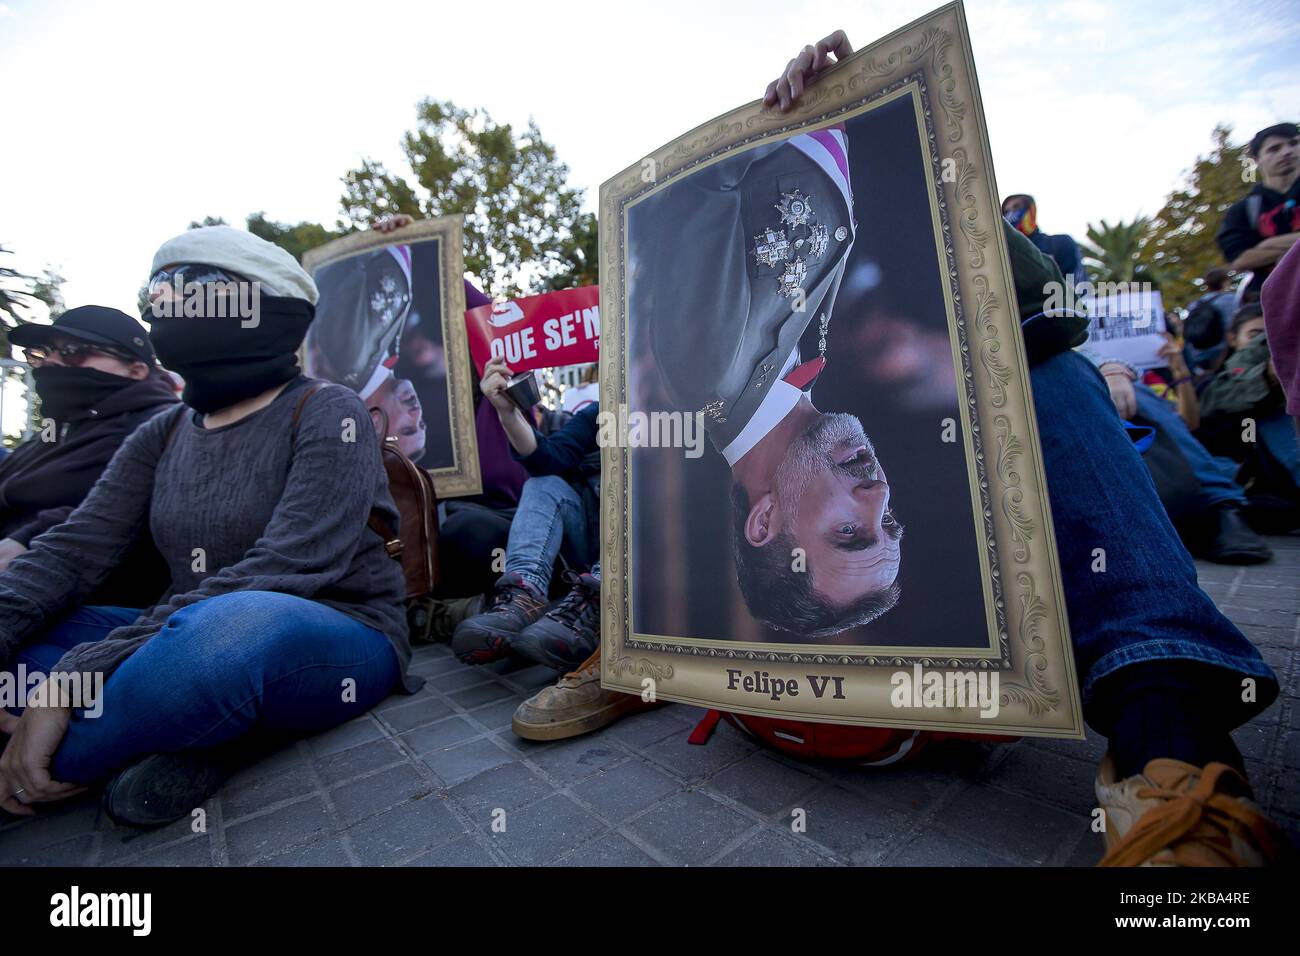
{"x": 179, "y": 417}
{"x": 297, "y": 411}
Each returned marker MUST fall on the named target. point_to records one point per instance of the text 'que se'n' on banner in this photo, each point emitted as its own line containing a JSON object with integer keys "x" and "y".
{"x": 537, "y": 331}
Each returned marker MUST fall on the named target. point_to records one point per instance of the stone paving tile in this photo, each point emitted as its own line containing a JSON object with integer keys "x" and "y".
{"x": 935, "y": 848}
{"x": 612, "y": 849}
{"x": 762, "y": 783}
{"x": 463, "y": 852}
{"x": 545, "y": 830}
{"x": 240, "y": 800}
{"x": 119, "y": 843}
{"x": 507, "y": 787}
{"x": 767, "y": 848}
{"x": 416, "y": 714}
{"x": 690, "y": 827}
{"x": 1025, "y": 829}
{"x": 625, "y": 790}
{"x": 404, "y": 832}
{"x": 461, "y": 762}
{"x": 196, "y": 852}
{"x": 417, "y": 782}
{"x": 572, "y": 760}
{"x": 853, "y": 828}
{"x": 373, "y": 794}
{"x": 276, "y": 831}
{"x": 347, "y": 764}
{"x": 322, "y": 852}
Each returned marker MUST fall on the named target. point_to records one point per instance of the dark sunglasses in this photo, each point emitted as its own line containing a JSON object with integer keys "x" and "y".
{"x": 72, "y": 353}
{"x": 184, "y": 273}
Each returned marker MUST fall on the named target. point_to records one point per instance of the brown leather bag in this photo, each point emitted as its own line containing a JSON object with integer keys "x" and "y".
{"x": 414, "y": 542}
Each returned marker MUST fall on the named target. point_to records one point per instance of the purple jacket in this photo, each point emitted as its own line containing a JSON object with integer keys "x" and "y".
{"x": 1281, "y": 300}
{"x": 503, "y": 476}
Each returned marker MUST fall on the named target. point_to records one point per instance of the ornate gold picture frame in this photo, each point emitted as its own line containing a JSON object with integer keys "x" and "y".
{"x": 390, "y": 323}
{"x": 686, "y": 257}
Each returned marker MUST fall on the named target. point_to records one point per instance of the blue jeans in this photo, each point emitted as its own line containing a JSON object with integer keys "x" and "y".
{"x": 217, "y": 670}
{"x": 1216, "y": 475}
{"x": 549, "y": 521}
{"x": 1146, "y": 605}
{"x": 1277, "y": 433}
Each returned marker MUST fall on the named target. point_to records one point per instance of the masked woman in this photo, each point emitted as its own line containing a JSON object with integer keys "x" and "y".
{"x": 284, "y": 612}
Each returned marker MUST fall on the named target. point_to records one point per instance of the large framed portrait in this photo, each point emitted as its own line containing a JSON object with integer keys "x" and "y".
{"x": 390, "y": 323}
{"x": 823, "y": 495}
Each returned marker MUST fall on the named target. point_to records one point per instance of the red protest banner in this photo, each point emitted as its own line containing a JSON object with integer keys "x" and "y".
{"x": 537, "y": 331}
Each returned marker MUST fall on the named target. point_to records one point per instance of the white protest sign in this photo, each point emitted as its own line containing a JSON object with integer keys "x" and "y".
{"x": 1126, "y": 325}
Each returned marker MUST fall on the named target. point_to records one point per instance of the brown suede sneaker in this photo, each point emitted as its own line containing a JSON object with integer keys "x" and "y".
{"x": 1175, "y": 814}
{"x": 576, "y": 705}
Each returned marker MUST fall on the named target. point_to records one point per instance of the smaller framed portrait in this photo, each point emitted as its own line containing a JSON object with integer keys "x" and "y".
{"x": 390, "y": 324}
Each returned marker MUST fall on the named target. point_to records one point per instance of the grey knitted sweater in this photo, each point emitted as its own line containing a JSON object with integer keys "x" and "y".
{"x": 243, "y": 507}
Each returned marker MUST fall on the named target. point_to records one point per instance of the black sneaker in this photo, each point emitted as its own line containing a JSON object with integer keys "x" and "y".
{"x": 1235, "y": 542}
{"x": 163, "y": 788}
{"x": 569, "y": 632}
{"x": 487, "y": 637}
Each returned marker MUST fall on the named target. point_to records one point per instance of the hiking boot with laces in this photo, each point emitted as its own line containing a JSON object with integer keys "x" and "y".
{"x": 570, "y": 629}
{"x": 486, "y": 637}
{"x": 575, "y": 705}
{"x": 1176, "y": 814}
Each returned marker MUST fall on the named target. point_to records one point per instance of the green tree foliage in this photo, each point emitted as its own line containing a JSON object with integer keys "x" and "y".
{"x": 20, "y": 292}
{"x": 295, "y": 239}
{"x": 1115, "y": 253}
{"x": 1181, "y": 243}
{"x": 48, "y": 288}
{"x": 580, "y": 255}
{"x": 524, "y": 231}
{"x": 14, "y": 291}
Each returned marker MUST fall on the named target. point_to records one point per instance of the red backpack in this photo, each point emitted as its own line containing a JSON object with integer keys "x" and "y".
{"x": 868, "y": 746}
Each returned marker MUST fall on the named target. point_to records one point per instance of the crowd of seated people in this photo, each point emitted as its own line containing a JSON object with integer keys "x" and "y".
{"x": 270, "y": 584}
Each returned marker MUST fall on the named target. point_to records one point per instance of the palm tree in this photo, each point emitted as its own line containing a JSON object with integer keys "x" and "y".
{"x": 1115, "y": 253}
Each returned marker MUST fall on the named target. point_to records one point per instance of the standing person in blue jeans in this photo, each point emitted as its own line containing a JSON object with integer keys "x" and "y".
{"x": 558, "y": 515}
{"x": 284, "y": 612}
{"x": 1165, "y": 676}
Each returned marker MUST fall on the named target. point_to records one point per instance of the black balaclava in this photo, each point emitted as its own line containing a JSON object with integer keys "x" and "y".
{"x": 67, "y": 392}
{"x": 225, "y": 360}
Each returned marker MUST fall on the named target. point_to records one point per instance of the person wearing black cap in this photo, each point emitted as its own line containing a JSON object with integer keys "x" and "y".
{"x": 95, "y": 373}
{"x": 1258, "y": 230}
{"x": 266, "y": 495}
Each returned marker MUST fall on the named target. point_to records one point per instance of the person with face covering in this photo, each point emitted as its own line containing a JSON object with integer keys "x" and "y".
{"x": 97, "y": 379}
{"x": 284, "y": 612}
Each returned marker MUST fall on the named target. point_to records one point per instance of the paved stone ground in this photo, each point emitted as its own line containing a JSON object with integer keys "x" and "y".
{"x": 416, "y": 782}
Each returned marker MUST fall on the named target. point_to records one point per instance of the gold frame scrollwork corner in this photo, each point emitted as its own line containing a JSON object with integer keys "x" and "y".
{"x": 1009, "y": 448}
{"x": 1037, "y": 696}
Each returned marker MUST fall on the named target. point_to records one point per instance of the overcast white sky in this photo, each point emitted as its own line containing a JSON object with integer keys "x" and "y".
{"x": 124, "y": 121}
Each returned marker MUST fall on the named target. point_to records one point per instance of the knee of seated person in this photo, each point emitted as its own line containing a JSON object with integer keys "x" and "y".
{"x": 239, "y": 622}
{"x": 1069, "y": 372}
{"x": 549, "y": 486}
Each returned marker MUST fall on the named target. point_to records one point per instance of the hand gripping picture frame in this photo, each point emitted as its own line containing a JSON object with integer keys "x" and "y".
{"x": 822, "y": 490}
{"x": 390, "y": 324}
